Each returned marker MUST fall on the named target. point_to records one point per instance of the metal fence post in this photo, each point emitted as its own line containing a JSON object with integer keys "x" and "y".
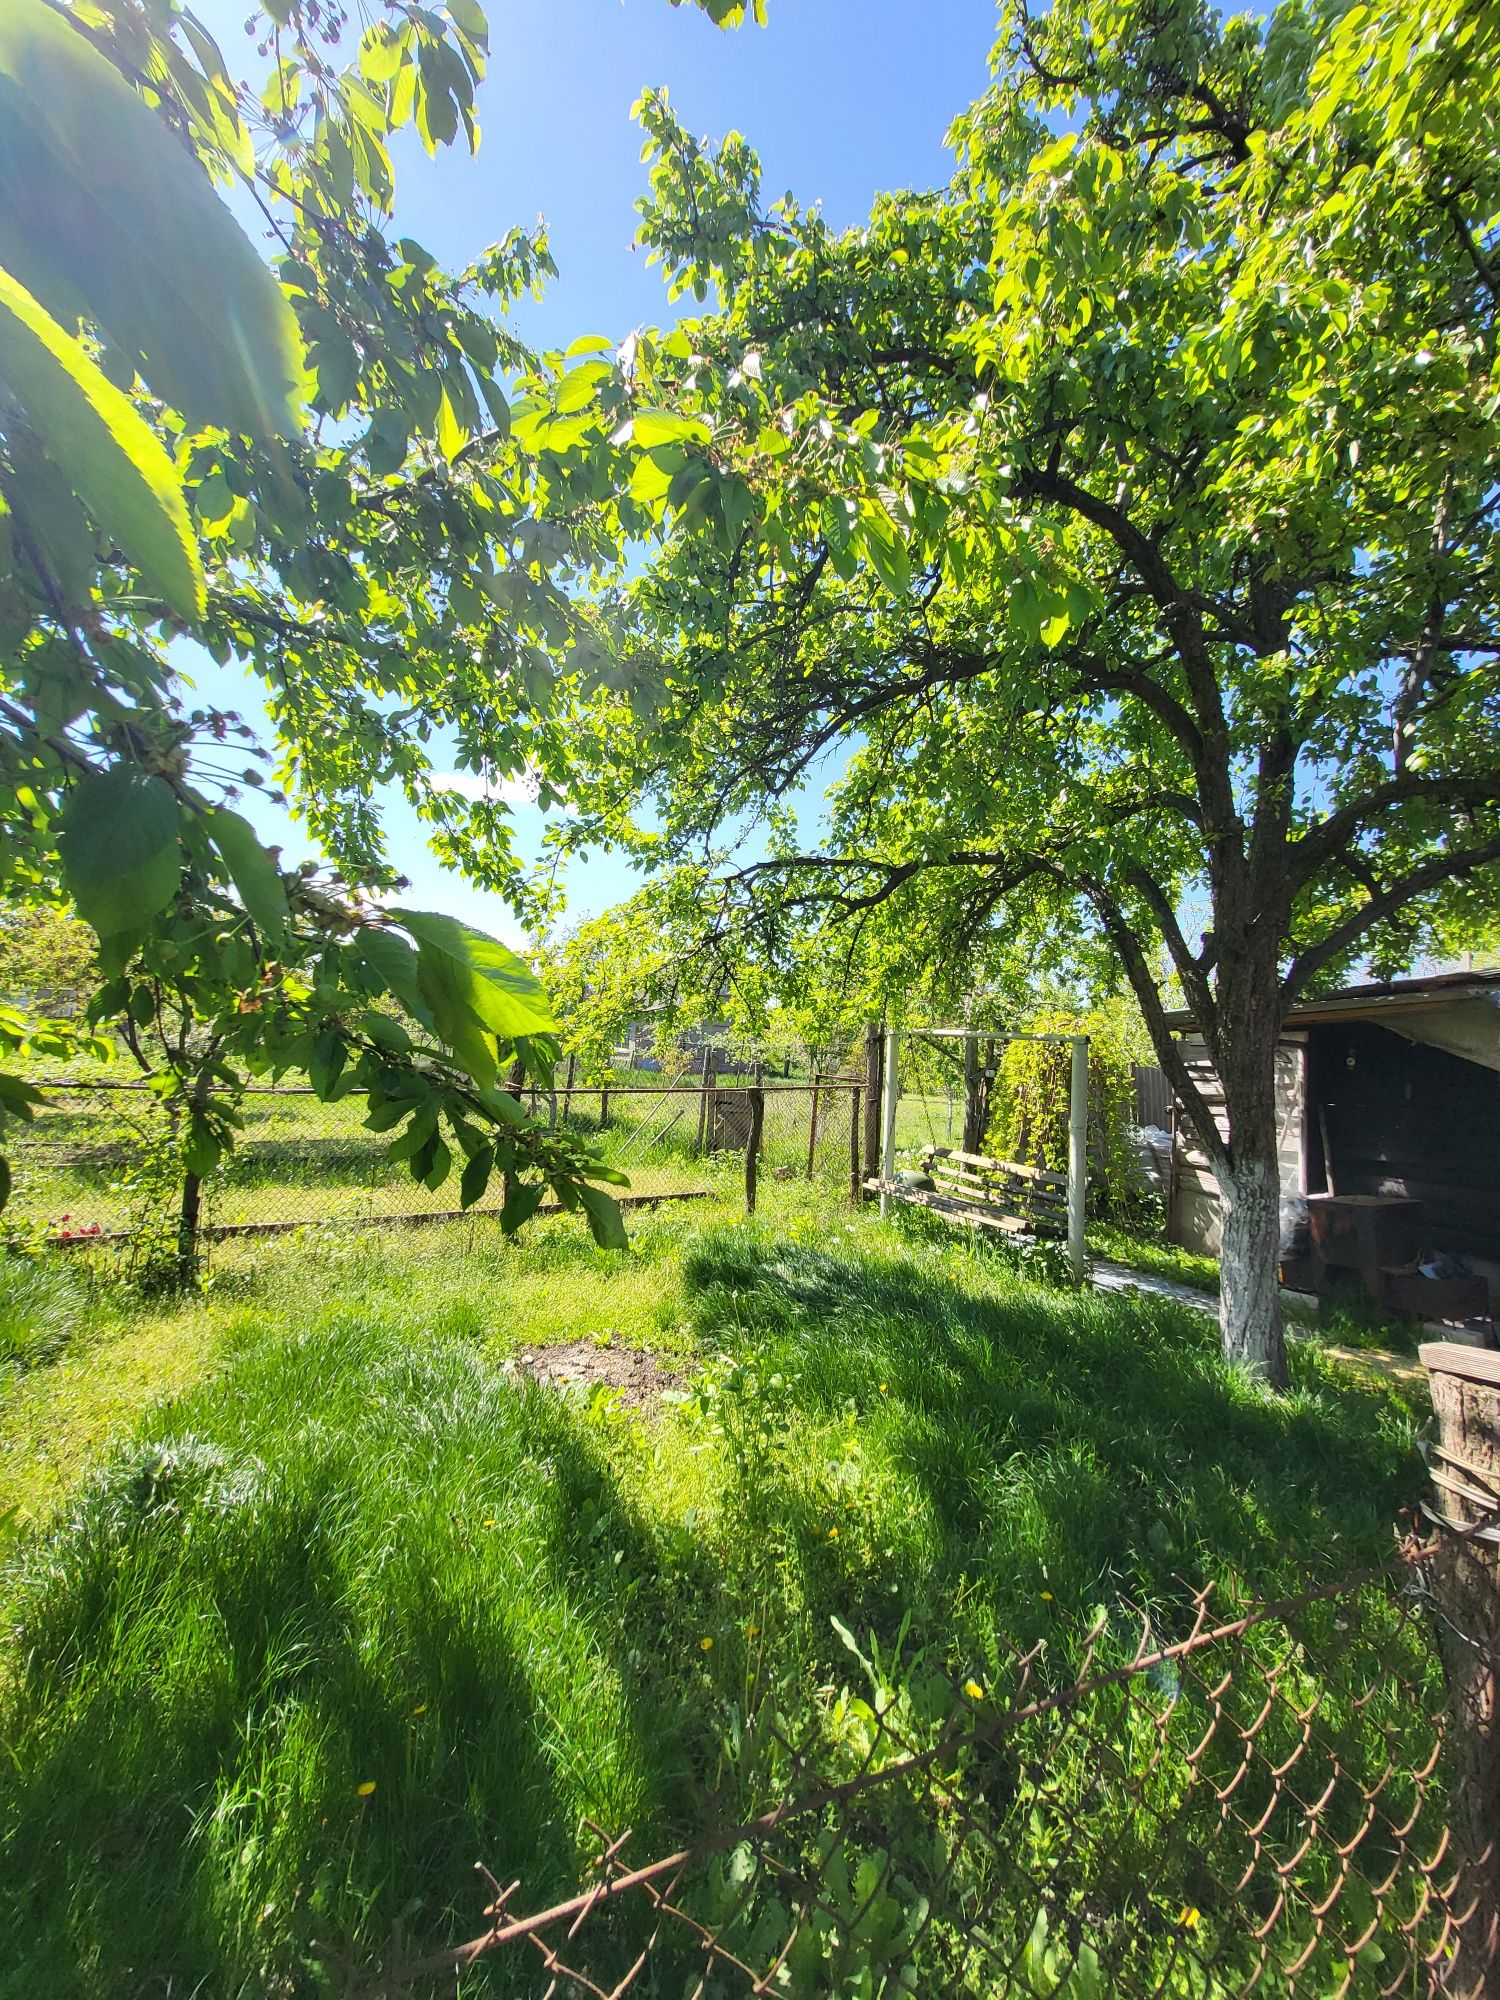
{"x": 888, "y": 1137}
{"x": 873, "y": 1055}
{"x": 710, "y": 1068}
{"x": 812, "y": 1129}
{"x": 1078, "y": 1156}
{"x": 757, "y": 1098}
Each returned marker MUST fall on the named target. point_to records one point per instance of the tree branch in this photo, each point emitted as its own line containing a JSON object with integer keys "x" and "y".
{"x": 1148, "y": 995}
{"x": 1441, "y": 868}
{"x": 1328, "y": 839}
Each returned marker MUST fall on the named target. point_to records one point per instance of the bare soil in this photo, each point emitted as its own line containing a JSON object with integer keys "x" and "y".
{"x": 637, "y": 1377}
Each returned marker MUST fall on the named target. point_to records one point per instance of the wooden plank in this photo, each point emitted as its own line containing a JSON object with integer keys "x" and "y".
{"x": 986, "y": 1163}
{"x": 981, "y": 1215}
{"x": 1453, "y": 1357}
{"x": 988, "y": 1186}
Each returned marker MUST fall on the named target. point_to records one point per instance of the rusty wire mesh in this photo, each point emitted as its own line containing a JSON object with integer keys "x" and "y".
{"x": 1294, "y": 1799}
{"x": 85, "y": 1166}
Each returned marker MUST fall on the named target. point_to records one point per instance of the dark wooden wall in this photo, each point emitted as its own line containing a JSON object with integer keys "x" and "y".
{"x": 1404, "y": 1118}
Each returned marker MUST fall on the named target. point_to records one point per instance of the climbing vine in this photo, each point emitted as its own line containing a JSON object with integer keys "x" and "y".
{"x": 1029, "y": 1108}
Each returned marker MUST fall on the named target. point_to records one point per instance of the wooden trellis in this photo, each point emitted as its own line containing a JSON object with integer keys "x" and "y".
{"x": 971, "y": 1187}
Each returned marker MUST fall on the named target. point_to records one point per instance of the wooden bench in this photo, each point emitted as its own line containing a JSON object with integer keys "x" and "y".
{"x": 990, "y": 1193}
{"x": 1027, "y": 1198}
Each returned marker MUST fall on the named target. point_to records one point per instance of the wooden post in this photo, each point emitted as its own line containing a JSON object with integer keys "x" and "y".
{"x": 888, "y": 1134}
{"x": 1465, "y": 1582}
{"x": 812, "y": 1129}
{"x": 973, "y": 1138}
{"x": 603, "y": 1106}
{"x": 855, "y": 1134}
{"x": 705, "y": 1108}
{"x": 874, "y": 1058}
{"x": 1078, "y": 1157}
{"x": 752, "y": 1143}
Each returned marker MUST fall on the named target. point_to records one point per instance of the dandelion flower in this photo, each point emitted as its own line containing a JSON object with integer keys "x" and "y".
{"x": 882, "y": 1388}
{"x": 706, "y": 1643}
{"x": 1048, "y": 1598}
{"x": 488, "y": 1524}
{"x": 973, "y": 1690}
{"x": 833, "y": 1534}
{"x": 365, "y": 1790}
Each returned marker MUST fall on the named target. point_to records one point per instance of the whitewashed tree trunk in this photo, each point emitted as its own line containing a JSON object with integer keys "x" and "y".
{"x": 1249, "y": 1265}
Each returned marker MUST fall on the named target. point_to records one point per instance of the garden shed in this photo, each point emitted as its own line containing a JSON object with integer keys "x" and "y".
{"x": 1388, "y": 1099}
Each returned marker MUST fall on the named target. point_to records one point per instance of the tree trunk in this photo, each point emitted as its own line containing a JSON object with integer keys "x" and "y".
{"x": 974, "y": 1098}
{"x": 1250, "y": 1177}
{"x": 1242, "y": 1048}
{"x": 189, "y": 1216}
{"x": 1249, "y": 1263}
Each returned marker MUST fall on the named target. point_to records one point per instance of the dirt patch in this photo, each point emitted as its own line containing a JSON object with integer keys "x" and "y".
{"x": 638, "y": 1378}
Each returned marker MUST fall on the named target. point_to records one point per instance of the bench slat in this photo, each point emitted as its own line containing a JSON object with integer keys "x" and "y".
{"x": 1043, "y": 1176}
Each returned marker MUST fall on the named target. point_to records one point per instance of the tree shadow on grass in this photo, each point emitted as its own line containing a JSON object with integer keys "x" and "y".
{"x": 258, "y": 1708}
{"x": 1066, "y": 1449}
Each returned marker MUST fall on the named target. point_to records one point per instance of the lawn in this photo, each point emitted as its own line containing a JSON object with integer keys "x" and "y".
{"x": 301, "y": 1160}
{"x": 354, "y": 1603}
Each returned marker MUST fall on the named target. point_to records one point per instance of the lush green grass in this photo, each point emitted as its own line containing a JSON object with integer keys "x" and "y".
{"x": 1153, "y": 1255}
{"x": 359, "y": 1553}
{"x": 300, "y": 1160}
{"x": 1344, "y": 1319}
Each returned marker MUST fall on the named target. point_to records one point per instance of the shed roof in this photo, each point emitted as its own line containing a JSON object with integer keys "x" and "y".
{"x": 1380, "y": 997}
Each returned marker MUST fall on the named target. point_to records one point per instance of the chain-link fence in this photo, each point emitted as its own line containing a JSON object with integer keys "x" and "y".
{"x": 97, "y": 1161}
{"x": 1288, "y": 1799}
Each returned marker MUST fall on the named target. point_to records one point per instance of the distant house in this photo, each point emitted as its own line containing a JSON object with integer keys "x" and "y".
{"x": 1388, "y": 1100}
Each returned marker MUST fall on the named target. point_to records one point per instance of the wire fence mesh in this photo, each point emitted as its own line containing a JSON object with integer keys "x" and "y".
{"x": 1289, "y": 1799}
{"x": 83, "y": 1168}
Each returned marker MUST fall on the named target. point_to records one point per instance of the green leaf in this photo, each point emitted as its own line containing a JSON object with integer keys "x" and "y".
{"x": 394, "y": 964}
{"x": 468, "y": 17}
{"x": 103, "y": 213}
{"x": 17, "y": 1097}
{"x": 886, "y": 552}
{"x": 252, "y": 869}
{"x": 118, "y": 836}
{"x": 386, "y": 1033}
{"x": 419, "y": 1133}
{"x": 381, "y": 52}
{"x": 476, "y": 1176}
{"x": 59, "y": 537}
{"x": 523, "y": 1204}
{"x": 458, "y": 964}
{"x": 606, "y": 1224}
{"x": 113, "y": 461}
{"x": 327, "y": 1064}
{"x": 204, "y": 1147}
{"x": 648, "y": 428}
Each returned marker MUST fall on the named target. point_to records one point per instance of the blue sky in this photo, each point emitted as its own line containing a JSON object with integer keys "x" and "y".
{"x": 840, "y": 97}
